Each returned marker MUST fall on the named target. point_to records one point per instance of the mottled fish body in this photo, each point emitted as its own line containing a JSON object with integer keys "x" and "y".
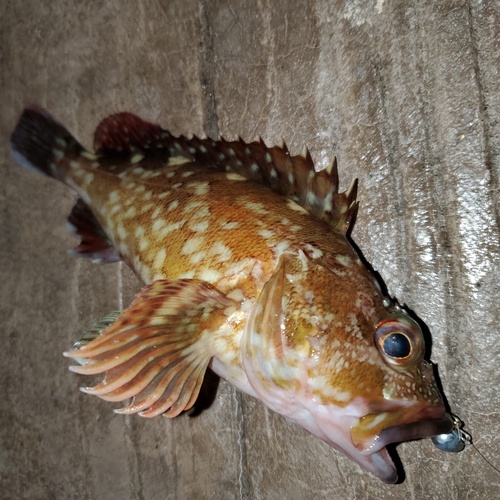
{"x": 247, "y": 267}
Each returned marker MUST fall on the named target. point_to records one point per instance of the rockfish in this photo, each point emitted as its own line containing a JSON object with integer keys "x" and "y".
{"x": 248, "y": 270}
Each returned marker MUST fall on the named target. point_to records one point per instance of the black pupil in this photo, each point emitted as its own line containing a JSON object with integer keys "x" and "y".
{"x": 397, "y": 345}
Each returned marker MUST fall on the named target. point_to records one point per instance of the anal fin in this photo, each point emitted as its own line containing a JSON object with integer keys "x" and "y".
{"x": 94, "y": 241}
{"x": 158, "y": 349}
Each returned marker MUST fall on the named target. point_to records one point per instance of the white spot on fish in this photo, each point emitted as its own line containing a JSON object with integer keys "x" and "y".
{"x": 173, "y": 205}
{"x": 210, "y": 275}
{"x": 235, "y": 177}
{"x": 188, "y": 173}
{"x": 230, "y": 225}
{"x": 143, "y": 244}
{"x": 169, "y": 228}
{"x": 236, "y": 295}
{"x": 88, "y": 155}
{"x": 131, "y": 212}
{"x": 197, "y": 257}
{"x": 200, "y": 188}
{"x": 122, "y": 248}
{"x": 114, "y": 196}
{"x": 345, "y": 260}
{"x": 138, "y": 170}
{"x": 199, "y": 226}
{"x": 256, "y": 207}
{"x": 177, "y": 160}
{"x": 294, "y": 206}
{"x": 187, "y": 275}
{"x": 281, "y": 247}
{"x": 121, "y": 232}
{"x": 265, "y": 233}
{"x": 146, "y": 208}
{"x": 314, "y": 252}
{"x": 160, "y": 258}
{"x": 158, "y": 224}
{"x": 192, "y": 245}
{"x": 222, "y": 250}
{"x": 136, "y": 158}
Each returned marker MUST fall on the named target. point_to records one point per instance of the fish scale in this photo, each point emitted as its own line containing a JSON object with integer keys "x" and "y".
{"x": 248, "y": 269}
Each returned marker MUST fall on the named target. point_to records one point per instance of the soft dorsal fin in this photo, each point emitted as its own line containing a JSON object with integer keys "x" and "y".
{"x": 291, "y": 176}
{"x": 126, "y": 133}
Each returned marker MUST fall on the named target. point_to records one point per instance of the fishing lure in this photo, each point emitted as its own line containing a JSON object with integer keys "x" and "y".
{"x": 247, "y": 269}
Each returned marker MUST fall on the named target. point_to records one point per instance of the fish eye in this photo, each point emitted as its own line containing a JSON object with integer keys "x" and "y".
{"x": 396, "y": 345}
{"x": 399, "y": 341}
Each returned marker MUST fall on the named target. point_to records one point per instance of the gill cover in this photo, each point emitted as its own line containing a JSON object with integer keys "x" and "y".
{"x": 275, "y": 341}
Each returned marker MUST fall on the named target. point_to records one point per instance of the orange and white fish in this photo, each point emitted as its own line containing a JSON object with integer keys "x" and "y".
{"x": 248, "y": 270}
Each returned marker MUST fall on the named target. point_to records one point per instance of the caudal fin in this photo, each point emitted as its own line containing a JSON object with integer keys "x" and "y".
{"x": 39, "y": 142}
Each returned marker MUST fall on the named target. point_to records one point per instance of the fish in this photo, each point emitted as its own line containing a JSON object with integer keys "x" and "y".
{"x": 248, "y": 269}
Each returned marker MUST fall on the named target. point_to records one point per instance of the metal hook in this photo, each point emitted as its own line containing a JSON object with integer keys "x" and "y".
{"x": 454, "y": 441}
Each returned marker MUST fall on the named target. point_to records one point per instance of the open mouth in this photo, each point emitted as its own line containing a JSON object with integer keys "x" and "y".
{"x": 421, "y": 425}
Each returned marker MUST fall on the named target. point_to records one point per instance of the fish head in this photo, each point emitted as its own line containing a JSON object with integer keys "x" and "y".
{"x": 325, "y": 348}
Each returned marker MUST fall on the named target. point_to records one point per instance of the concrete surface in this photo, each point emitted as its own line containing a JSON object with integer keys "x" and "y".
{"x": 407, "y": 94}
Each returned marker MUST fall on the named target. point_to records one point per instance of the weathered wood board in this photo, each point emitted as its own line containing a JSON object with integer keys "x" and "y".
{"x": 406, "y": 94}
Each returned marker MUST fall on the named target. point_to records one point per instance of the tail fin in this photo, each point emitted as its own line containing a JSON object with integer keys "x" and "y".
{"x": 39, "y": 142}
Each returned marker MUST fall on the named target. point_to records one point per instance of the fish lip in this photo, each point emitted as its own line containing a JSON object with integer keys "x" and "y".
{"x": 383, "y": 466}
{"x": 428, "y": 422}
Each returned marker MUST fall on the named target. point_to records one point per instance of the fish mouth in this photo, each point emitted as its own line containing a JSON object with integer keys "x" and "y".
{"x": 418, "y": 429}
{"x": 426, "y": 423}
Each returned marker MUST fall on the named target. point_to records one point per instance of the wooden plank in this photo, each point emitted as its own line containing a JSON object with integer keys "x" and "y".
{"x": 406, "y": 94}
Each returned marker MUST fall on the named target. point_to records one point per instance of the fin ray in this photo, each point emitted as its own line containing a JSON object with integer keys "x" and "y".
{"x": 94, "y": 243}
{"x": 158, "y": 349}
{"x": 39, "y": 142}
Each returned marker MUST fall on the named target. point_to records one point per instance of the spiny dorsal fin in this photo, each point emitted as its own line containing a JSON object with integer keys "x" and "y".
{"x": 292, "y": 176}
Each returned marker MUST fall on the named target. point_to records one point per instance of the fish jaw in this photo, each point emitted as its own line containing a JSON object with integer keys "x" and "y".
{"x": 334, "y": 425}
{"x": 360, "y": 429}
{"x": 401, "y": 425}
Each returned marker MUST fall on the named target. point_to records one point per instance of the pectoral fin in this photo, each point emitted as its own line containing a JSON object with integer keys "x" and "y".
{"x": 158, "y": 349}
